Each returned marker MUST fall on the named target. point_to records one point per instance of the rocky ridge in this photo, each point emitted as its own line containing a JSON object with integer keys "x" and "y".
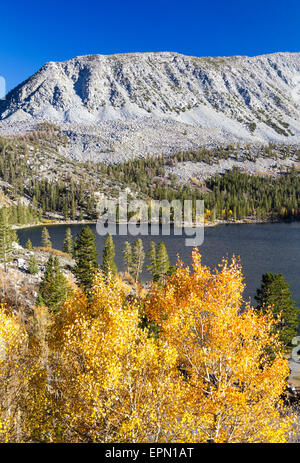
{"x": 121, "y": 106}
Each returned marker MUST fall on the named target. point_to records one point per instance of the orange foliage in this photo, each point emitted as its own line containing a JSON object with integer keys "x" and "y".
{"x": 234, "y": 384}
{"x": 92, "y": 373}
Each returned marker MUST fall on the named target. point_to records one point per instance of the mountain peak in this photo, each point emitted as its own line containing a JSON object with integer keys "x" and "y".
{"x": 248, "y": 98}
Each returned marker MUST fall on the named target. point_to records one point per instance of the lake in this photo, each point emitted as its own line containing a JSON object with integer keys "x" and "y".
{"x": 270, "y": 247}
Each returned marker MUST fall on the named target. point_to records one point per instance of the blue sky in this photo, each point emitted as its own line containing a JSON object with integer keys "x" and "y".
{"x": 34, "y": 32}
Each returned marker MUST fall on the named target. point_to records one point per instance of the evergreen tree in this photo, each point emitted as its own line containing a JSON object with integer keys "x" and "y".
{"x": 53, "y": 288}
{"x": 29, "y": 245}
{"x": 46, "y": 241}
{"x": 46, "y": 283}
{"x": 86, "y": 254}
{"x": 138, "y": 257}
{"x": 108, "y": 262}
{"x": 73, "y": 209}
{"x": 275, "y": 294}
{"x": 5, "y": 239}
{"x": 151, "y": 254}
{"x": 68, "y": 242}
{"x": 32, "y": 266}
{"x": 14, "y": 236}
{"x": 127, "y": 255}
{"x": 21, "y": 213}
{"x": 65, "y": 212}
{"x": 162, "y": 261}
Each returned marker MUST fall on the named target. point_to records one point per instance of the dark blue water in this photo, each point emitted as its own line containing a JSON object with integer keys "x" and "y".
{"x": 261, "y": 247}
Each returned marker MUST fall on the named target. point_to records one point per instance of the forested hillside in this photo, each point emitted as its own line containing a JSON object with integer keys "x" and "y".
{"x": 37, "y": 182}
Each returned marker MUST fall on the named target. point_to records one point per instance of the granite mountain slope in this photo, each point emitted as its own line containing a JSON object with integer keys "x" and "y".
{"x": 118, "y": 106}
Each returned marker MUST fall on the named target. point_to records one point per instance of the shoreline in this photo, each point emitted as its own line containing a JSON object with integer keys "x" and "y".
{"x": 43, "y": 224}
{"x": 183, "y": 225}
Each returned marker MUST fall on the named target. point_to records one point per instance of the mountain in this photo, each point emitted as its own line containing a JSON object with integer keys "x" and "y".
{"x": 118, "y": 106}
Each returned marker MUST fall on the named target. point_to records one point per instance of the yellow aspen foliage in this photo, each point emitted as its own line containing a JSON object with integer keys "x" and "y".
{"x": 235, "y": 372}
{"x": 13, "y": 376}
{"x": 43, "y": 401}
{"x": 117, "y": 381}
{"x": 208, "y": 370}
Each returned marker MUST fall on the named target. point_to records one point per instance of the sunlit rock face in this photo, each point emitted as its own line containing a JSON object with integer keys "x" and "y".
{"x": 132, "y": 104}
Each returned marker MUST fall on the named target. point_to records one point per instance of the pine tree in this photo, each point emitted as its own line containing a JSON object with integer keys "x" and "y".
{"x": 127, "y": 255}
{"x": 108, "y": 262}
{"x": 46, "y": 282}
{"x": 60, "y": 283}
{"x": 21, "y": 213}
{"x": 73, "y": 209}
{"x": 86, "y": 254}
{"x": 151, "y": 254}
{"x": 65, "y": 211}
{"x": 46, "y": 241}
{"x": 29, "y": 245}
{"x": 275, "y": 294}
{"x": 162, "y": 261}
{"x": 5, "y": 239}
{"x": 68, "y": 242}
{"x": 32, "y": 266}
{"x": 138, "y": 257}
{"x": 53, "y": 288}
{"x": 14, "y": 236}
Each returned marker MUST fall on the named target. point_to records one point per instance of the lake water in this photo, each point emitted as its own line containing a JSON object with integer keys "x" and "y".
{"x": 261, "y": 247}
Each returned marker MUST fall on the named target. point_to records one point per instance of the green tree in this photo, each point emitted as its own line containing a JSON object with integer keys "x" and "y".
{"x": 108, "y": 262}
{"x": 65, "y": 211}
{"x": 127, "y": 255}
{"x": 162, "y": 261}
{"x": 54, "y": 287}
{"x": 68, "y": 245}
{"x": 73, "y": 209}
{"x": 32, "y": 265}
{"x": 275, "y": 293}
{"x": 46, "y": 241}
{"x": 85, "y": 254}
{"x": 29, "y": 245}
{"x": 14, "y": 236}
{"x": 151, "y": 254}
{"x": 138, "y": 258}
{"x": 6, "y": 239}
